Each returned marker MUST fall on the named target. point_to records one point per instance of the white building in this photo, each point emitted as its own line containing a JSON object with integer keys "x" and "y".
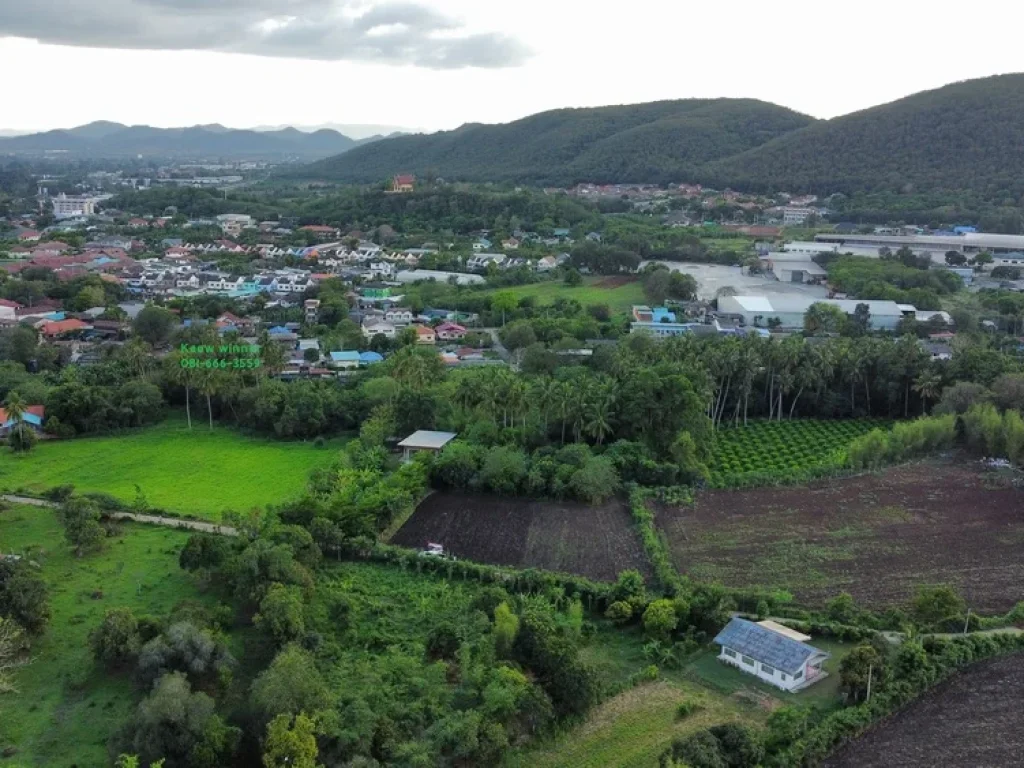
{"x": 387, "y": 330}
{"x": 773, "y": 653}
{"x": 792, "y": 215}
{"x": 790, "y": 309}
{"x": 481, "y": 260}
{"x": 415, "y": 275}
{"x": 65, "y": 207}
{"x": 234, "y": 223}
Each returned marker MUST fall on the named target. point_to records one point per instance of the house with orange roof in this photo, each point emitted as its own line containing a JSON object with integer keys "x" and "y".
{"x": 64, "y": 327}
{"x": 425, "y": 334}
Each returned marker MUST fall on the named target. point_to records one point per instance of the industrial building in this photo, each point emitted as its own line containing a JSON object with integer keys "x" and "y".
{"x": 790, "y": 309}
{"x": 968, "y": 243}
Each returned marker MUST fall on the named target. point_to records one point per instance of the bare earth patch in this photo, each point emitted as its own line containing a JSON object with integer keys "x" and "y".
{"x": 876, "y": 536}
{"x": 593, "y": 541}
{"x": 975, "y": 719}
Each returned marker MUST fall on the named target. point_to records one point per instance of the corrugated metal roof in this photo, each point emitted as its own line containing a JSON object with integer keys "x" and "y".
{"x": 764, "y": 645}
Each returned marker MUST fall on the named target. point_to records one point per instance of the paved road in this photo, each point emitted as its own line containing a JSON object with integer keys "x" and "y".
{"x": 167, "y": 522}
{"x": 498, "y": 347}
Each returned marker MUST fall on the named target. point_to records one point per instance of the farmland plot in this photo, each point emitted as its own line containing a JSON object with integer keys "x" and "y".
{"x": 877, "y": 536}
{"x": 975, "y": 719}
{"x": 593, "y": 541}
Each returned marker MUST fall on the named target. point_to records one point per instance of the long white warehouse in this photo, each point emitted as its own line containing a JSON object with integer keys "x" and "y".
{"x": 790, "y": 310}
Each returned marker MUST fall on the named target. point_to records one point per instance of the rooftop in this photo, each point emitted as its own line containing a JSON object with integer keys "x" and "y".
{"x": 764, "y": 644}
{"x": 427, "y": 439}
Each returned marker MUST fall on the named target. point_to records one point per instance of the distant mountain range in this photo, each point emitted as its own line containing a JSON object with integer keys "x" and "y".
{"x": 106, "y": 139}
{"x": 967, "y": 136}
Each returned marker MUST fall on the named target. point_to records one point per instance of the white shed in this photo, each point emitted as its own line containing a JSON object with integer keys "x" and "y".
{"x": 773, "y": 655}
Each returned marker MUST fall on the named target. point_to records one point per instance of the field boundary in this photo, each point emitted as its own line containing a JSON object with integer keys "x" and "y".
{"x": 166, "y": 522}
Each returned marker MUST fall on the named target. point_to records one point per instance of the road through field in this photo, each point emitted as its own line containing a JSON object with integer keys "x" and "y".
{"x": 166, "y": 522}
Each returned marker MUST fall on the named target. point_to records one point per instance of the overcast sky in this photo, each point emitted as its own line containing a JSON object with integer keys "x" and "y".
{"x": 436, "y": 64}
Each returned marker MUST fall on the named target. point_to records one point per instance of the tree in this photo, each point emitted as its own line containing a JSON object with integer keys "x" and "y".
{"x": 927, "y": 385}
{"x": 81, "y": 520}
{"x": 504, "y": 470}
{"x": 955, "y": 259}
{"x": 596, "y": 481}
{"x": 290, "y": 685}
{"x": 184, "y": 647}
{"x": 503, "y": 301}
{"x": 23, "y": 595}
{"x": 682, "y": 286}
{"x": 21, "y": 437}
{"x": 281, "y": 613}
{"x": 982, "y": 259}
{"x": 656, "y": 283}
{"x": 12, "y": 646}
{"x": 961, "y": 397}
{"x": 291, "y": 744}
{"x": 856, "y": 666}
{"x": 572, "y": 277}
{"x": 183, "y": 377}
{"x": 180, "y": 726}
{"x": 506, "y": 627}
{"x": 842, "y": 608}
{"x": 518, "y": 335}
{"x": 154, "y": 325}
{"x": 821, "y": 318}
{"x": 660, "y": 618}
{"x": 935, "y": 605}
{"x": 116, "y": 640}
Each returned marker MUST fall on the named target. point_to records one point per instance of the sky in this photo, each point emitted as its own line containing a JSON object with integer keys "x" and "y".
{"x": 437, "y": 64}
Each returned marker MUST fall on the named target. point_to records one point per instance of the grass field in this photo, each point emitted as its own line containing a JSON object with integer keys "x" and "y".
{"x": 199, "y": 472}
{"x": 619, "y": 298}
{"x": 67, "y": 708}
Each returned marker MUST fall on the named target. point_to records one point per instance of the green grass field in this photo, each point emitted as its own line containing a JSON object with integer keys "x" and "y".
{"x": 199, "y": 472}
{"x": 67, "y": 708}
{"x": 619, "y": 298}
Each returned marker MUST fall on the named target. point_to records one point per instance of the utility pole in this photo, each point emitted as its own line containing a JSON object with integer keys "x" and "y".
{"x": 871, "y": 668}
{"x": 967, "y": 621}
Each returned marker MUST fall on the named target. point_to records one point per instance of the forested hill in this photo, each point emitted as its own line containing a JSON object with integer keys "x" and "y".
{"x": 656, "y": 142}
{"x": 964, "y": 136}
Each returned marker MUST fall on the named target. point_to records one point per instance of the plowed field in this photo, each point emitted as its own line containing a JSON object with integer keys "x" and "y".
{"x": 975, "y": 719}
{"x": 593, "y": 541}
{"x": 876, "y": 536}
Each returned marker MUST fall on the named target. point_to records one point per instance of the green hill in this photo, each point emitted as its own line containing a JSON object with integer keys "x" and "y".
{"x": 964, "y": 136}
{"x": 656, "y": 142}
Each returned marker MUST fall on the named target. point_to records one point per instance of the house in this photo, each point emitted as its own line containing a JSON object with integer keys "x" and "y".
{"x": 450, "y": 332}
{"x": 482, "y": 244}
{"x": 387, "y": 330}
{"x": 33, "y": 417}
{"x": 320, "y": 230}
{"x": 398, "y": 316}
{"x": 481, "y": 260}
{"x": 346, "y": 360}
{"x": 28, "y": 236}
{"x": 425, "y": 440}
{"x": 560, "y": 232}
{"x": 510, "y": 245}
{"x": 425, "y": 334}
{"x": 369, "y": 358}
{"x": 403, "y": 182}
{"x": 61, "y": 327}
{"x": 9, "y": 309}
{"x": 772, "y": 652}
{"x": 546, "y": 264}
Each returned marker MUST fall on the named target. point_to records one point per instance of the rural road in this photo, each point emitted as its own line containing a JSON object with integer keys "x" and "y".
{"x": 167, "y": 522}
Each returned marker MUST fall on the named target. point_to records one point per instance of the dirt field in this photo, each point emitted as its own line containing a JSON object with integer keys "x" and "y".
{"x": 875, "y": 536}
{"x": 596, "y": 542}
{"x": 975, "y": 719}
{"x": 614, "y": 281}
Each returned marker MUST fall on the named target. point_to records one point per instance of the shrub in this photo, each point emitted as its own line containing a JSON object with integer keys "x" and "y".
{"x": 620, "y": 612}
{"x": 660, "y": 618}
{"x": 116, "y": 640}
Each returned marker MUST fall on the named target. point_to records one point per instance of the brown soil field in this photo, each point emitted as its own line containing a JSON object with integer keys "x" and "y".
{"x": 975, "y": 719}
{"x": 593, "y": 541}
{"x": 876, "y": 536}
{"x": 614, "y": 281}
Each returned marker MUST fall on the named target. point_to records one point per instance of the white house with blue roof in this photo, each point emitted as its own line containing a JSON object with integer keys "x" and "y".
{"x": 773, "y": 653}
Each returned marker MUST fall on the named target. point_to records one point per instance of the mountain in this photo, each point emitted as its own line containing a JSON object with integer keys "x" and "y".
{"x": 658, "y": 141}
{"x": 964, "y": 136}
{"x": 107, "y": 139}
{"x": 357, "y": 131}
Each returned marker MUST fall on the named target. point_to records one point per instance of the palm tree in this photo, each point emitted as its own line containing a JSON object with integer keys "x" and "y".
{"x": 928, "y": 386}
{"x": 183, "y": 377}
{"x": 563, "y": 404}
{"x": 16, "y": 410}
{"x": 209, "y": 385}
{"x": 138, "y": 356}
{"x": 545, "y": 393}
{"x": 598, "y": 419}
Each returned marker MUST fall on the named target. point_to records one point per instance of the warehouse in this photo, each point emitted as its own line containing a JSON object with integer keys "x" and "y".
{"x": 967, "y": 243}
{"x": 790, "y": 310}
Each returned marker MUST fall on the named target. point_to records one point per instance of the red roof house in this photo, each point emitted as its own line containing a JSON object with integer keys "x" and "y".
{"x": 60, "y": 327}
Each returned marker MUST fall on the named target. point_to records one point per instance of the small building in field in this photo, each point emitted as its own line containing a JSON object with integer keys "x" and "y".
{"x": 425, "y": 440}
{"x": 772, "y": 652}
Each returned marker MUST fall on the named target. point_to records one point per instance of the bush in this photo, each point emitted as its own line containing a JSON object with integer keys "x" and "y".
{"x": 660, "y": 618}
{"x": 687, "y": 708}
{"x": 116, "y": 640}
{"x": 504, "y": 470}
{"x": 620, "y": 612}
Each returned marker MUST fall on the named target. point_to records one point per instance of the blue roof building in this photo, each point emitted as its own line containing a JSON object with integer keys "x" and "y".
{"x": 369, "y": 358}
{"x": 346, "y": 359}
{"x": 772, "y": 652}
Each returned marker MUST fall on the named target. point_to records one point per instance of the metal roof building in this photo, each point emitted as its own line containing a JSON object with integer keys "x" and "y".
{"x": 771, "y": 655}
{"x": 969, "y": 242}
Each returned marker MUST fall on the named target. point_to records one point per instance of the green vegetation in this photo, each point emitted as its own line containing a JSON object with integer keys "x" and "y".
{"x": 959, "y": 137}
{"x": 198, "y": 472}
{"x": 657, "y": 142}
{"x": 766, "y": 452}
{"x": 66, "y": 707}
{"x": 618, "y": 297}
